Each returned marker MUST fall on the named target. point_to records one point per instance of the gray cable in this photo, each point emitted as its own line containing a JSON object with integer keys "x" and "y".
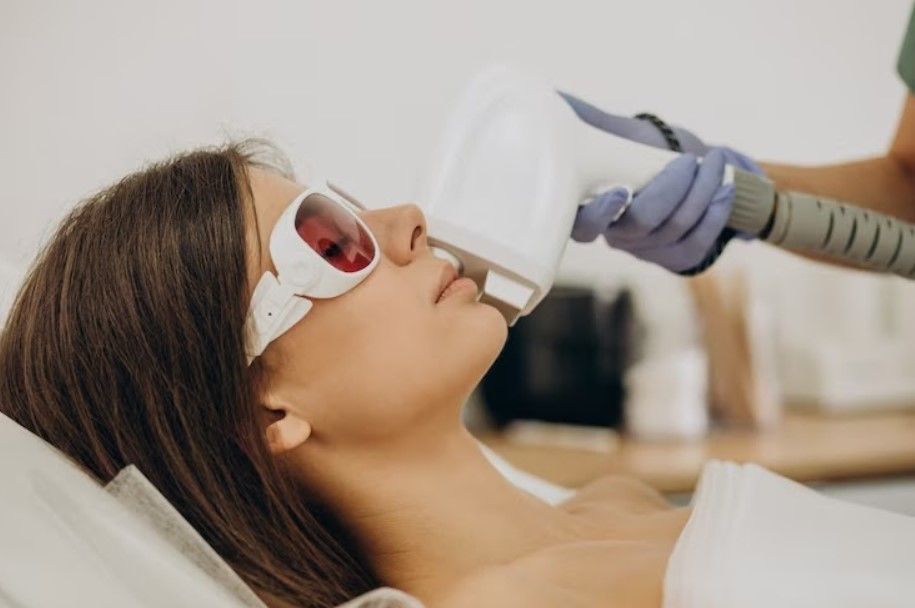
{"x": 820, "y": 225}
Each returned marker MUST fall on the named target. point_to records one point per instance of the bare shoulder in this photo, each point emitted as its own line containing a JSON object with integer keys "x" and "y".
{"x": 606, "y": 574}
{"x": 509, "y": 586}
{"x": 619, "y": 493}
{"x": 628, "y": 533}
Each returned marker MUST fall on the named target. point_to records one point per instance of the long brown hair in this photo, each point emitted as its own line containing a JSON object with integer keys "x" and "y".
{"x": 125, "y": 345}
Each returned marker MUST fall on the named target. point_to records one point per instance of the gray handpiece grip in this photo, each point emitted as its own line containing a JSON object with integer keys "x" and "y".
{"x": 820, "y": 225}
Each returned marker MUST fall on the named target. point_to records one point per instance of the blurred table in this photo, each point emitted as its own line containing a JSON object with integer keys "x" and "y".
{"x": 807, "y": 447}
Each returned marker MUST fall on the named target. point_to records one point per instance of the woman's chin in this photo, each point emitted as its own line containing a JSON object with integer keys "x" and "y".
{"x": 496, "y": 321}
{"x": 479, "y": 330}
{"x": 485, "y": 326}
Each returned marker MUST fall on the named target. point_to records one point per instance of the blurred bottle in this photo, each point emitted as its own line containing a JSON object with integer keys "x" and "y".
{"x": 668, "y": 396}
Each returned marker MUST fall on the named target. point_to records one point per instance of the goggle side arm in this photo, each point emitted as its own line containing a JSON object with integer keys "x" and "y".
{"x": 275, "y": 307}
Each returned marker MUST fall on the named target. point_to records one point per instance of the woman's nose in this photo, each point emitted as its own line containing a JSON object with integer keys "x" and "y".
{"x": 401, "y": 232}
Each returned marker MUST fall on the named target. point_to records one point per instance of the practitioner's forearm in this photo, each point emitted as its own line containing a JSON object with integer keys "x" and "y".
{"x": 885, "y": 184}
{"x": 882, "y": 184}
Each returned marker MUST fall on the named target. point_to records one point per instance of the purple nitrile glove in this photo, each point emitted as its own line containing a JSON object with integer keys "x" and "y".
{"x": 673, "y": 221}
{"x": 678, "y": 220}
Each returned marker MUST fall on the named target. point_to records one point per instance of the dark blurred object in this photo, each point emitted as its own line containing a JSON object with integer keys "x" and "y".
{"x": 565, "y": 361}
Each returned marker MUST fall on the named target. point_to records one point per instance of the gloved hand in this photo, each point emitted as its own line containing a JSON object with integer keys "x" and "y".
{"x": 678, "y": 219}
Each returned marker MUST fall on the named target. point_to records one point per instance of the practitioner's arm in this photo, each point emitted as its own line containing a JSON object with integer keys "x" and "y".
{"x": 885, "y": 183}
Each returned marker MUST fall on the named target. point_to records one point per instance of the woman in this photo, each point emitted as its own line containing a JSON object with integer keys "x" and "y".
{"x": 336, "y": 461}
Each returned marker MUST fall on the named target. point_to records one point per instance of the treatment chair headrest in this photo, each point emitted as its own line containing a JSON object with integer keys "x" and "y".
{"x": 91, "y": 549}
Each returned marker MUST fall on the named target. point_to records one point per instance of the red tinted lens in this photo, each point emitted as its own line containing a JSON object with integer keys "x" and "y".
{"x": 333, "y": 233}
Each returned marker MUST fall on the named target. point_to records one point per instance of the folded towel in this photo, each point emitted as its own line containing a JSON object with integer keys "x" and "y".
{"x": 541, "y": 488}
{"x": 758, "y": 540}
{"x": 134, "y": 491}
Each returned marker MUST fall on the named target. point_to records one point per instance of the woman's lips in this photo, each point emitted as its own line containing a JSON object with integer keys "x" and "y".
{"x": 450, "y": 282}
{"x": 460, "y": 285}
{"x": 446, "y": 276}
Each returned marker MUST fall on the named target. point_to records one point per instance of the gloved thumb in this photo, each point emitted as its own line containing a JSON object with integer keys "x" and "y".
{"x": 599, "y": 213}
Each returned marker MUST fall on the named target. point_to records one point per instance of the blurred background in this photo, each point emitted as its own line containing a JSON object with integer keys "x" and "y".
{"x": 362, "y": 89}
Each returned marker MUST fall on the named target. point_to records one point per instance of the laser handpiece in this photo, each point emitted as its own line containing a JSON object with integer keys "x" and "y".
{"x": 515, "y": 162}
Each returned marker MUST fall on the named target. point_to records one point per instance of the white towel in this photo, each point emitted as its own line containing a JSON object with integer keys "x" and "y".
{"x": 757, "y": 540}
{"x": 546, "y": 491}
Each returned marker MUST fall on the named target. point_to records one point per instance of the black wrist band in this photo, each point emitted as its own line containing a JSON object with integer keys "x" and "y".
{"x": 712, "y": 256}
{"x": 673, "y": 142}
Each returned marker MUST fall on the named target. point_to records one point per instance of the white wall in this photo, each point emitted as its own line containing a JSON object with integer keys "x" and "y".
{"x": 93, "y": 89}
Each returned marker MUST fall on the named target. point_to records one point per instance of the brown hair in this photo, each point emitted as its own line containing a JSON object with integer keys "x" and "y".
{"x": 125, "y": 345}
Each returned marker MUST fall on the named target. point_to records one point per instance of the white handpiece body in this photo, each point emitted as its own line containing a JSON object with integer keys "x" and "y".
{"x": 512, "y": 169}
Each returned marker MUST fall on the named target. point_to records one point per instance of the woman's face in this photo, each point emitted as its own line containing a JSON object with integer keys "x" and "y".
{"x": 386, "y": 357}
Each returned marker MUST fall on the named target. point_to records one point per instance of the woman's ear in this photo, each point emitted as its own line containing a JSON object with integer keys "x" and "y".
{"x": 287, "y": 433}
{"x": 284, "y": 428}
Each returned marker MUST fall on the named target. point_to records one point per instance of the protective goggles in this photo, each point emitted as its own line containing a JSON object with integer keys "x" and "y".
{"x": 321, "y": 249}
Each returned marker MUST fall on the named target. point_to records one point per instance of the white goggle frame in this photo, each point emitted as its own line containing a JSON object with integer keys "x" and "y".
{"x": 279, "y": 301}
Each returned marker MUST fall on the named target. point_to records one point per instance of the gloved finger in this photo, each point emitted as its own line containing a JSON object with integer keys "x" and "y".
{"x": 691, "y": 210}
{"x": 741, "y": 161}
{"x": 654, "y": 204}
{"x": 632, "y": 128}
{"x": 594, "y": 217}
{"x": 629, "y": 128}
{"x": 696, "y": 245}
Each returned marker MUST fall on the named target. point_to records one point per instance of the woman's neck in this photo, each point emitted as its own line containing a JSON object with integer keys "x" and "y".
{"x": 430, "y": 512}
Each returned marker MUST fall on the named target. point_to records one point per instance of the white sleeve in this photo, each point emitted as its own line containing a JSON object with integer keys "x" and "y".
{"x": 758, "y": 540}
